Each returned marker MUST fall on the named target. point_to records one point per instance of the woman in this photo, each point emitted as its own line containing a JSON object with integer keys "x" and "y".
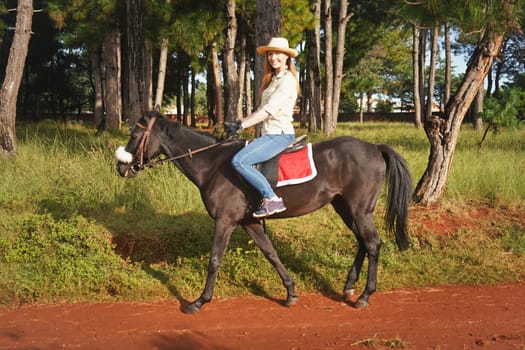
{"x": 279, "y": 91}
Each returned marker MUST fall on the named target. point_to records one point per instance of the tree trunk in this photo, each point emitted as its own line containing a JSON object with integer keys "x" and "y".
{"x": 112, "y": 84}
{"x": 242, "y": 73}
{"x": 13, "y": 76}
{"x": 303, "y": 102}
{"x": 161, "y": 75}
{"x": 230, "y": 71}
{"x": 148, "y": 78}
{"x": 344, "y": 17}
{"x": 432, "y": 72}
{"x": 98, "y": 109}
{"x": 369, "y": 101}
{"x": 248, "y": 86}
{"x": 179, "y": 104}
{"x": 329, "y": 126}
{"x": 267, "y": 25}
{"x": 448, "y": 65}
{"x": 416, "y": 81}
{"x": 490, "y": 84}
{"x": 422, "y": 64}
{"x": 477, "y": 108}
{"x": 361, "y": 102}
{"x": 137, "y": 62}
{"x": 25, "y": 84}
{"x": 185, "y": 96}
{"x": 313, "y": 44}
{"x": 497, "y": 78}
{"x": 179, "y": 86}
{"x": 210, "y": 92}
{"x": 192, "y": 98}
{"x": 217, "y": 89}
{"x": 499, "y": 65}
{"x": 443, "y": 131}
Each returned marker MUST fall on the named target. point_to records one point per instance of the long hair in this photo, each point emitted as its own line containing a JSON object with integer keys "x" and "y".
{"x": 268, "y": 73}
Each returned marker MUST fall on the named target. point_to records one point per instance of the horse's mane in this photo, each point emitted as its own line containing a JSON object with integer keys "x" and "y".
{"x": 173, "y": 126}
{"x": 202, "y": 135}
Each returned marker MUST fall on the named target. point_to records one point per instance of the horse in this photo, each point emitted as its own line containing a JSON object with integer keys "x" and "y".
{"x": 350, "y": 177}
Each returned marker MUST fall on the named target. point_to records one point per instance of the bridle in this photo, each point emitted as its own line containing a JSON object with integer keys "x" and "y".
{"x": 144, "y": 143}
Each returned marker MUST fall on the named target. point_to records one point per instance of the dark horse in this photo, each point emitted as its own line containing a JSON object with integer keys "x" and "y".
{"x": 350, "y": 176}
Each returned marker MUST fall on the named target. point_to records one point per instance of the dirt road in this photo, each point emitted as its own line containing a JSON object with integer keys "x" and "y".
{"x": 456, "y": 317}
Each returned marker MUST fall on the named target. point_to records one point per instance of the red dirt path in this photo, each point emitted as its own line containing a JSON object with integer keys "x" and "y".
{"x": 456, "y": 317}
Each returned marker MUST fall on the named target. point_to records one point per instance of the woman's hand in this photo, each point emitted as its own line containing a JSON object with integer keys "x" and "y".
{"x": 233, "y": 129}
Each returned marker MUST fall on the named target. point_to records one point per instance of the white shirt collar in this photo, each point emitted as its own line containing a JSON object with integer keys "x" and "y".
{"x": 281, "y": 73}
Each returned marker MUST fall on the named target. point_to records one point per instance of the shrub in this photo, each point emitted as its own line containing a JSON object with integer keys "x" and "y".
{"x": 47, "y": 259}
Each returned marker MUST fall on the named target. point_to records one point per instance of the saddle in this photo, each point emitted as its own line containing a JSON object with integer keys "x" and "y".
{"x": 298, "y": 155}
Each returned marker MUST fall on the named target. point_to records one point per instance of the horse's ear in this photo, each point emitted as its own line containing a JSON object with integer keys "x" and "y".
{"x": 155, "y": 113}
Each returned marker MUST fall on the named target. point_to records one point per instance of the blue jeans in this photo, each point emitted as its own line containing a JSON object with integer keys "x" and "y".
{"x": 258, "y": 151}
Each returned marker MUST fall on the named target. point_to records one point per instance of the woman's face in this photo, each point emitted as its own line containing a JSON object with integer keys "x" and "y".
{"x": 277, "y": 60}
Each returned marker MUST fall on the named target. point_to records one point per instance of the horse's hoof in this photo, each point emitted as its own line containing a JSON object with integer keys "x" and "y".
{"x": 348, "y": 294}
{"x": 360, "y": 304}
{"x": 291, "y": 300}
{"x": 191, "y": 308}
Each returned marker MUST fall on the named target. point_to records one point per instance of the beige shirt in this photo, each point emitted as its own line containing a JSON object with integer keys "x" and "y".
{"x": 278, "y": 99}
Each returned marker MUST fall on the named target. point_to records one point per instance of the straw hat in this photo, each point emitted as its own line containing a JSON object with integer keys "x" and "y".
{"x": 279, "y": 45}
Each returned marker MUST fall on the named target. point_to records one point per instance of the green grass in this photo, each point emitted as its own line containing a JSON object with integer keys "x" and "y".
{"x": 72, "y": 229}
{"x": 496, "y": 175}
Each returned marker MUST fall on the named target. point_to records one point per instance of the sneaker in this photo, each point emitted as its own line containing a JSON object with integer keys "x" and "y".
{"x": 269, "y": 207}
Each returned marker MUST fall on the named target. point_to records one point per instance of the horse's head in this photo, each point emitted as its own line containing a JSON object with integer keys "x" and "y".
{"x": 141, "y": 148}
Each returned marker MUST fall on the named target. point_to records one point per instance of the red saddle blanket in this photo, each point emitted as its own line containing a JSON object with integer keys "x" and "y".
{"x": 296, "y": 167}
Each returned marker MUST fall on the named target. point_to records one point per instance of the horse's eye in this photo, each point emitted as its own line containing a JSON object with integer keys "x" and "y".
{"x": 135, "y": 168}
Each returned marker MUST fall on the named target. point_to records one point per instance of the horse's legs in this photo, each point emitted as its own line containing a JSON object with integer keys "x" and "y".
{"x": 372, "y": 245}
{"x": 256, "y": 231}
{"x": 343, "y": 210}
{"x": 355, "y": 271}
{"x": 369, "y": 243}
{"x": 221, "y": 238}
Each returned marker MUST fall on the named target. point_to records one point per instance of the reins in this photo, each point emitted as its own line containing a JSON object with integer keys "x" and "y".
{"x": 143, "y": 147}
{"x": 188, "y": 154}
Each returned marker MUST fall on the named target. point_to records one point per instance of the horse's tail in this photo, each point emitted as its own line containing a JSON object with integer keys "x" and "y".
{"x": 399, "y": 182}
